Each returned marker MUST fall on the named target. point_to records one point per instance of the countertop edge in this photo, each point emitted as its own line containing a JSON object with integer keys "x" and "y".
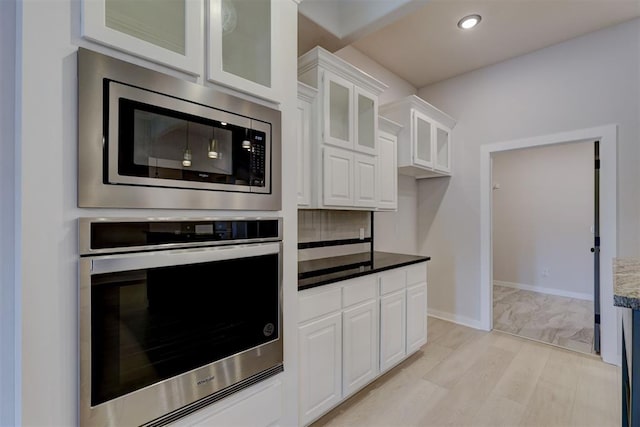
{"x": 626, "y": 286}
{"x": 364, "y": 273}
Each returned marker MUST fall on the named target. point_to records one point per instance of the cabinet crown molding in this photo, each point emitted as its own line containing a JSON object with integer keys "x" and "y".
{"x": 389, "y": 126}
{"x": 417, "y": 103}
{"x": 319, "y": 57}
{"x": 306, "y": 92}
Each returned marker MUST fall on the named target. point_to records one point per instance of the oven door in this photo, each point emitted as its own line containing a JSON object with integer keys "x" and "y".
{"x": 163, "y": 329}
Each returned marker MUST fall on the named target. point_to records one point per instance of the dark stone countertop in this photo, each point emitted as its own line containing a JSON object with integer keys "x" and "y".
{"x": 323, "y": 271}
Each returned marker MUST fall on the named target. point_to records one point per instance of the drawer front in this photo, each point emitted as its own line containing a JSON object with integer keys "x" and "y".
{"x": 417, "y": 273}
{"x": 359, "y": 290}
{"x": 314, "y": 303}
{"x": 393, "y": 280}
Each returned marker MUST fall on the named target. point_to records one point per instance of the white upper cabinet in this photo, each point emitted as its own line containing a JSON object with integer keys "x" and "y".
{"x": 243, "y": 38}
{"x": 168, "y": 32}
{"x": 424, "y": 144}
{"x": 346, "y": 119}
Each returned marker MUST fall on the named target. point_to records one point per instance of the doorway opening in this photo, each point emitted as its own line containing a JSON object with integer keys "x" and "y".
{"x": 607, "y": 135}
{"x": 543, "y": 226}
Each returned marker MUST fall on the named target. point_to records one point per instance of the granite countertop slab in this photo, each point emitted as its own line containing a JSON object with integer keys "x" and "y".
{"x": 323, "y": 271}
{"x": 626, "y": 283}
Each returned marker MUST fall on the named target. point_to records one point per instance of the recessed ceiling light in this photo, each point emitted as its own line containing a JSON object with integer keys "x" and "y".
{"x": 469, "y": 21}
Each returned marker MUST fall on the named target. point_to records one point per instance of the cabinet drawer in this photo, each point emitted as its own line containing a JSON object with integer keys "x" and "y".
{"x": 417, "y": 273}
{"x": 358, "y": 290}
{"x": 314, "y": 303}
{"x": 393, "y": 280}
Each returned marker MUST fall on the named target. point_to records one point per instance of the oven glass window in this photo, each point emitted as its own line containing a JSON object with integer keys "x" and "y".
{"x": 150, "y": 325}
{"x": 156, "y": 142}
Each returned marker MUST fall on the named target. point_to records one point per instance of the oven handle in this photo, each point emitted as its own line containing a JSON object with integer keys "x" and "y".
{"x": 140, "y": 261}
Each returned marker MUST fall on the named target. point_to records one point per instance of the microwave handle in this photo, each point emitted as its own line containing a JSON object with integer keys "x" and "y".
{"x": 140, "y": 261}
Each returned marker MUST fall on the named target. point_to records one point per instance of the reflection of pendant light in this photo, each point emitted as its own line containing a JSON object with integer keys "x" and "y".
{"x": 246, "y": 144}
{"x": 213, "y": 145}
{"x": 186, "y": 158}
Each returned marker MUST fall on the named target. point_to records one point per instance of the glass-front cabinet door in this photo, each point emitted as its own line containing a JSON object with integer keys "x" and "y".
{"x": 422, "y": 136}
{"x": 243, "y": 45}
{"x": 443, "y": 150}
{"x": 338, "y": 111}
{"x": 366, "y": 121}
{"x": 168, "y": 32}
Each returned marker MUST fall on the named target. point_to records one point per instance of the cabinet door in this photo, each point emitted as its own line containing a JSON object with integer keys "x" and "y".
{"x": 304, "y": 156}
{"x": 338, "y": 111}
{"x": 337, "y": 177}
{"x": 416, "y": 317}
{"x": 422, "y": 140}
{"x": 168, "y": 32}
{"x": 360, "y": 346}
{"x": 387, "y": 172}
{"x": 365, "y": 168}
{"x": 442, "y": 155}
{"x": 243, "y": 46}
{"x": 366, "y": 121}
{"x": 320, "y": 366}
{"x": 392, "y": 329}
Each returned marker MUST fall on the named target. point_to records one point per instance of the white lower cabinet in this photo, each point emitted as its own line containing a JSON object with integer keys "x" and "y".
{"x": 360, "y": 345}
{"x": 354, "y": 330}
{"x": 320, "y": 344}
{"x": 416, "y": 317}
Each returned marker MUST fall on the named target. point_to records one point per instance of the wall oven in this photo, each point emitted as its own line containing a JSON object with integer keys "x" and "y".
{"x": 175, "y": 314}
{"x": 149, "y": 140}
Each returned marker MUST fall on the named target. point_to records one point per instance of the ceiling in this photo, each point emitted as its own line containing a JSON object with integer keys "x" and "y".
{"x": 423, "y": 44}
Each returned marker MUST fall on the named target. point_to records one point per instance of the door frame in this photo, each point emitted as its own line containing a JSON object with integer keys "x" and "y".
{"x": 607, "y": 135}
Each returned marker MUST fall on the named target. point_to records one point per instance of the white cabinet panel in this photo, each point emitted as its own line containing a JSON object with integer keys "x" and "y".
{"x": 365, "y": 180}
{"x": 168, "y": 32}
{"x": 243, "y": 36}
{"x": 366, "y": 121}
{"x": 387, "y": 172}
{"x": 307, "y": 101}
{"x": 360, "y": 346}
{"x": 258, "y": 406}
{"x": 338, "y": 177}
{"x": 338, "y": 111}
{"x": 442, "y": 158}
{"x": 320, "y": 366}
{"x": 416, "y": 317}
{"x": 422, "y": 140}
{"x": 392, "y": 329}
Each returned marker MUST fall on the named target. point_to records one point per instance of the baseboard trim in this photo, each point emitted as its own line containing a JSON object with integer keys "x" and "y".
{"x": 548, "y": 291}
{"x": 455, "y": 318}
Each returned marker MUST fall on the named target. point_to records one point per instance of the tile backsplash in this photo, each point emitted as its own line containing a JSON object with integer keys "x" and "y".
{"x": 324, "y": 225}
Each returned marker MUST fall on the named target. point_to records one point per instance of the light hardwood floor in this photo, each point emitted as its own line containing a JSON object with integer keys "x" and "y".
{"x": 466, "y": 377}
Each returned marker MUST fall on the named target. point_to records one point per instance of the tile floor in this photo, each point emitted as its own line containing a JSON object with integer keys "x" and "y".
{"x": 562, "y": 321}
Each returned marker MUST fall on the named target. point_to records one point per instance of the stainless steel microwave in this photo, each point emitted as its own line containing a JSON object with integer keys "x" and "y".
{"x": 150, "y": 140}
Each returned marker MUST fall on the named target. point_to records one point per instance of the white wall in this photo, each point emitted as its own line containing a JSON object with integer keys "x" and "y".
{"x": 7, "y": 215}
{"x": 585, "y": 82}
{"x": 48, "y": 201}
{"x": 542, "y": 218}
{"x": 394, "y": 231}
